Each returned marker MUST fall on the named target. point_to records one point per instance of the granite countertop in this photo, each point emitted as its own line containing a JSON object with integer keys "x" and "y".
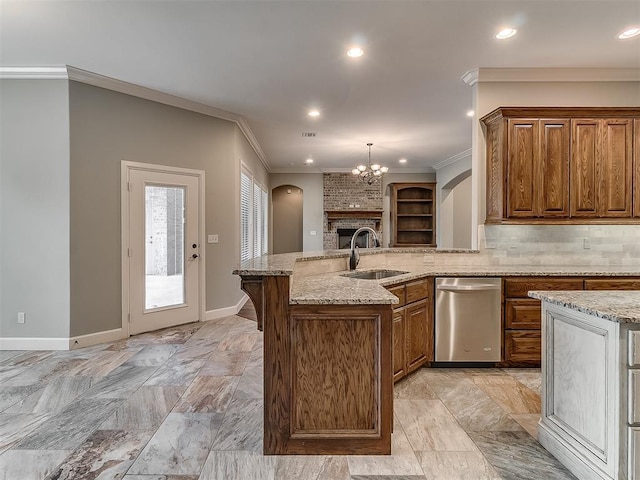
{"x": 615, "y": 305}
{"x": 332, "y": 288}
{"x": 282, "y": 263}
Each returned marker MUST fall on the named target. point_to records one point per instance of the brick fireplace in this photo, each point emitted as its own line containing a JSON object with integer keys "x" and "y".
{"x": 348, "y": 205}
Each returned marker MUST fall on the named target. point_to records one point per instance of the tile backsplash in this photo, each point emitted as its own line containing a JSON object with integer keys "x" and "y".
{"x": 561, "y": 244}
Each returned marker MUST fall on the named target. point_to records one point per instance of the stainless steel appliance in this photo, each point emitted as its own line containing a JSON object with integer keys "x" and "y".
{"x": 468, "y": 319}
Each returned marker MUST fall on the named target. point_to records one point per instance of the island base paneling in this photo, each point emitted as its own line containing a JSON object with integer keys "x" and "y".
{"x": 589, "y": 405}
{"x": 328, "y": 375}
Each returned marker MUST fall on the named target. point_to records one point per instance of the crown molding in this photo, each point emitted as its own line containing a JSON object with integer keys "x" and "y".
{"x": 482, "y": 75}
{"x": 451, "y": 160}
{"x": 34, "y": 73}
{"x": 470, "y": 77}
{"x": 83, "y": 76}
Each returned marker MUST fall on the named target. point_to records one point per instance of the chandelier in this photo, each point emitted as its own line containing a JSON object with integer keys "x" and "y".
{"x": 370, "y": 174}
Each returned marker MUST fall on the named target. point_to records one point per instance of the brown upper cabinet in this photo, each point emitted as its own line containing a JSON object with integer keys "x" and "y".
{"x": 601, "y": 167}
{"x": 573, "y": 165}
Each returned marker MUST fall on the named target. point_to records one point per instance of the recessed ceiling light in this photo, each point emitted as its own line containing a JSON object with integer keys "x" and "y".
{"x": 355, "y": 52}
{"x": 309, "y": 161}
{"x": 470, "y": 113}
{"x": 403, "y": 160}
{"x": 629, "y": 33}
{"x": 314, "y": 113}
{"x": 506, "y": 33}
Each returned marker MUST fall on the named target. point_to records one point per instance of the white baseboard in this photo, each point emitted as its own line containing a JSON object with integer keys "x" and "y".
{"x": 17, "y": 343}
{"x": 96, "y": 338}
{"x": 226, "y": 311}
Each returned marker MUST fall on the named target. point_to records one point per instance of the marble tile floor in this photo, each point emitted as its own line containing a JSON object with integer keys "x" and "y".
{"x": 185, "y": 403}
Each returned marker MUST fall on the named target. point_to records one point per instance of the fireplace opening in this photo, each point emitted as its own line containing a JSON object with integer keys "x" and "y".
{"x": 344, "y": 238}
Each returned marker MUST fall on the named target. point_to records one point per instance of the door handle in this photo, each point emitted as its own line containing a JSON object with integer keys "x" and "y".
{"x": 468, "y": 288}
{"x": 194, "y": 256}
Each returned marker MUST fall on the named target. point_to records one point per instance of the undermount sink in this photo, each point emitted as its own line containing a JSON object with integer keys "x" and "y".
{"x": 373, "y": 274}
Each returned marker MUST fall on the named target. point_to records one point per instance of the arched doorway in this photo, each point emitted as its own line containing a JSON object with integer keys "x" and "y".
{"x": 455, "y": 213}
{"x": 286, "y": 201}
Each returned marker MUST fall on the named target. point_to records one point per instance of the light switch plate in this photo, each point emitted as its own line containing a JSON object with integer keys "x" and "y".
{"x": 212, "y": 239}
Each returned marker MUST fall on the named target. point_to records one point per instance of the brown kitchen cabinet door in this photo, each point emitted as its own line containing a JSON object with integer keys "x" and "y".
{"x": 585, "y": 160}
{"x": 636, "y": 168}
{"x": 615, "y": 173}
{"x": 418, "y": 334}
{"x": 538, "y": 168}
{"x": 399, "y": 355}
{"x": 521, "y": 168}
{"x": 612, "y": 284}
{"x": 552, "y": 187}
{"x": 523, "y": 346}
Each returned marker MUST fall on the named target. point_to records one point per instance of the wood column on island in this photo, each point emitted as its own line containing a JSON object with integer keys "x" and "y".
{"x": 328, "y": 378}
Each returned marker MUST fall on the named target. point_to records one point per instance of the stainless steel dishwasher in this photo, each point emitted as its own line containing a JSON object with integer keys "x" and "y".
{"x": 468, "y": 319}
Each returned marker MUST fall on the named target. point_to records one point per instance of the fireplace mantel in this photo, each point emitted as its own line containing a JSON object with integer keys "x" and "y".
{"x": 352, "y": 213}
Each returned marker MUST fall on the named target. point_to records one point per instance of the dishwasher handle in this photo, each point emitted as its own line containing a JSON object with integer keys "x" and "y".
{"x": 468, "y": 288}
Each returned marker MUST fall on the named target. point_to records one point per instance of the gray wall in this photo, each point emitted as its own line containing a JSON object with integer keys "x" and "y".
{"x": 448, "y": 218}
{"x": 462, "y": 214}
{"x": 108, "y": 127}
{"x": 34, "y": 207}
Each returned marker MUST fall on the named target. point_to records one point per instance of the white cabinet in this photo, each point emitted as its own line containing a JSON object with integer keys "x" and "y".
{"x": 591, "y": 393}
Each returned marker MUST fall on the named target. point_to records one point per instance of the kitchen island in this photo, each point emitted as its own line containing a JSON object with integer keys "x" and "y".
{"x": 328, "y": 339}
{"x": 591, "y": 382}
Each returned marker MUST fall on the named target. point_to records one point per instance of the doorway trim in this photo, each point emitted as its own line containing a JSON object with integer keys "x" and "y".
{"x": 125, "y": 169}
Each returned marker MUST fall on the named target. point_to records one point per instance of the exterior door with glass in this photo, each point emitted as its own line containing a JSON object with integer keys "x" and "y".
{"x": 164, "y": 249}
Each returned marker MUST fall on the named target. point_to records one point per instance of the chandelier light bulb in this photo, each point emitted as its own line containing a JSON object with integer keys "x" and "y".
{"x": 369, "y": 173}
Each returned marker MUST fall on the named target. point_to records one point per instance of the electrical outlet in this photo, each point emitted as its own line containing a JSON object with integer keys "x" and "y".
{"x": 429, "y": 259}
{"x": 586, "y": 244}
{"x": 21, "y": 317}
{"x": 313, "y": 232}
{"x": 212, "y": 239}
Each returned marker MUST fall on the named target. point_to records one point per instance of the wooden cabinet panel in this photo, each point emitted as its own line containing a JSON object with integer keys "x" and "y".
{"x": 616, "y": 168}
{"x": 495, "y": 140}
{"x": 399, "y": 356}
{"x": 418, "y": 290}
{"x": 416, "y": 322}
{"x": 412, "y": 327}
{"x": 553, "y": 169}
{"x": 522, "y": 314}
{"x": 521, "y": 168}
{"x": 585, "y": 159}
{"x": 612, "y": 284}
{"x": 523, "y": 346}
{"x": 398, "y": 291}
{"x": 636, "y": 169}
{"x": 518, "y": 287}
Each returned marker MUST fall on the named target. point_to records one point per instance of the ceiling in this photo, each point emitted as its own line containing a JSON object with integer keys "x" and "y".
{"x": 272, "y": 61}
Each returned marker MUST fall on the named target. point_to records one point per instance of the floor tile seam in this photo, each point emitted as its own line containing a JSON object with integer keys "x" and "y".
{"x": 487, "y": 459}
{"x": 507, "y": 411}
{"x": 404, "y": 432}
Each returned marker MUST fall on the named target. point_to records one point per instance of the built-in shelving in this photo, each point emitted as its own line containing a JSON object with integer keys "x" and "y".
{"x": 413, "y": 214}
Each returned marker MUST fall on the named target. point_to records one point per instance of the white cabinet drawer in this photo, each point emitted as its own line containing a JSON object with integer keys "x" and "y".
{"x": 634, "y": 397}
{"x": 634, "y": 348}
{"x": 634, "y": 453}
